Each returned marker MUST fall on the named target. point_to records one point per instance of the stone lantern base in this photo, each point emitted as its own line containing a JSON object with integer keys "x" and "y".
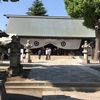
{"x": 27, "y": 60}
{"x": 13, "y": 71}
{"x": 85, "y": 61}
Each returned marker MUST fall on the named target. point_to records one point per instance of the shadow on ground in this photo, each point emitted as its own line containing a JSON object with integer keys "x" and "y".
{"x": 47, "y": 97}
{"x": 51, "y": 73}
{"x": 22, "y": 97}
{"x": 59, "y": 97}
{"x": 57, "y": 73}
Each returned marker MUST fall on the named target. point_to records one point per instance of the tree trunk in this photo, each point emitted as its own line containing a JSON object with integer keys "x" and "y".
{"x": 92, "y": 53}
{"x": 97, "y": 45}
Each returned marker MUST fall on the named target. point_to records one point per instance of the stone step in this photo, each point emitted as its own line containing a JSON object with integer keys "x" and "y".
{"x": 45, "y": 86}
{"x": 57, "y": 84}
{"x": 57, "y": 57}
{"x": 70, "y": 95}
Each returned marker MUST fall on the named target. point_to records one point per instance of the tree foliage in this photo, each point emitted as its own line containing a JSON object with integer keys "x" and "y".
{"x": 89, "y": 10}
{"x": 9, "y": 0}
{"x": 37, "y": 9}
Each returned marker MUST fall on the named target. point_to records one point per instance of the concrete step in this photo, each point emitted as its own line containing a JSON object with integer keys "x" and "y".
{"x": 45, "y": 83}
{"x": 70, "y": 95}
{"x": 41, "y": 90}
{"x": 54, "y": 86}
{"x": 48, "y": 88}
{"x": 57, "y": 57}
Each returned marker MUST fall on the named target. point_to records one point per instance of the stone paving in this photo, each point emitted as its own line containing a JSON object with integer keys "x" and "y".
{"x": 65, "y": 70}
{"x": 62, "y": 70}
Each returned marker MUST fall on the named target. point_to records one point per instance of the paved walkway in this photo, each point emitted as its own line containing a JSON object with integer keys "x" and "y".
{"x": 62, "y": 70}
{"x": 65, "y": 70}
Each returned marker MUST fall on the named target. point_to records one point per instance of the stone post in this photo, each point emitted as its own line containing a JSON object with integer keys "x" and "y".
{"x": 15, "y": 46}
{"x": 28, "y": 46}
{"x": 85, "y": 52}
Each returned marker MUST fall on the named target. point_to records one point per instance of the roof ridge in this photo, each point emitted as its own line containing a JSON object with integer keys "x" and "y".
{"x": 40, "y": 17}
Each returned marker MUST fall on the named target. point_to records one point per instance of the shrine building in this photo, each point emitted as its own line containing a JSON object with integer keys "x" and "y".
{"x": 62, "y": 34}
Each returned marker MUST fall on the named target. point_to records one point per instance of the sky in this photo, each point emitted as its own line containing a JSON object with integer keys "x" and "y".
{"x": 53, "y": 7}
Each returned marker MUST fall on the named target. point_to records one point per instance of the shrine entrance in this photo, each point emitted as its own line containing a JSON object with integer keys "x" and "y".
{"x": 53, "y": 48}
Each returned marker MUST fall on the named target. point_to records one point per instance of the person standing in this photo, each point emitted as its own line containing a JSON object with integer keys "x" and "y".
{"x": 46, "y": 52}
{"x": 49, "y": 53}
{"x": 39, "y": 53}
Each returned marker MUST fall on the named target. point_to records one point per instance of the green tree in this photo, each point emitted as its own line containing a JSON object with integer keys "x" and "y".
{"x": 37, "y": 9}
{"x": 9, "y": 0}
{"x": 89, "y": 10}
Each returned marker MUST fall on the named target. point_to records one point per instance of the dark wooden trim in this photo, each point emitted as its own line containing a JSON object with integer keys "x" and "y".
{"x": 37, "y": 37}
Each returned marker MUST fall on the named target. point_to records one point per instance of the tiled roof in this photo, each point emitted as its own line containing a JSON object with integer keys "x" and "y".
{"x": 47, "y": 26}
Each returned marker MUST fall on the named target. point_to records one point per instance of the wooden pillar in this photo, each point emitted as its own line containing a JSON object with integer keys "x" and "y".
{"x": 42, "y": 50}
{"x": 64, "y": 52}
{"x": 57, "y": 51}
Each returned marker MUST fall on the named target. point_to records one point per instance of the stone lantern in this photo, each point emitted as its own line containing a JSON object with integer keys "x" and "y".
{"x": 15, "y": 46}
{"x": 28, "y": 46}
{"x": 85, "y": 52}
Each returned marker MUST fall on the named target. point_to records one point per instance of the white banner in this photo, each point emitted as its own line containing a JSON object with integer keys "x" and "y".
{"x": 60, "y": 43}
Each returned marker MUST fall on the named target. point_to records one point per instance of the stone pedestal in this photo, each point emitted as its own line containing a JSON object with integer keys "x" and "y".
{"x": 15, "y": 66}
{"x": 84, "y": 61}
{"x": 3, "y": 94}
{"x": 27, "y": 58}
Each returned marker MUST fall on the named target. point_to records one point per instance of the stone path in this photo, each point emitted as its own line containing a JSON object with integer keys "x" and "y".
{"x": 62, "y": 70}
{"x": 65, "y": 70}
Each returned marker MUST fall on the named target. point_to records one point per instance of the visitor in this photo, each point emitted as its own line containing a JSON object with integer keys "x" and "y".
{"x": 46, "y": 52}
{"x": 49, "y": 53}
{"x": 54, "y": 51}
{"x": 39, "y": 53}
